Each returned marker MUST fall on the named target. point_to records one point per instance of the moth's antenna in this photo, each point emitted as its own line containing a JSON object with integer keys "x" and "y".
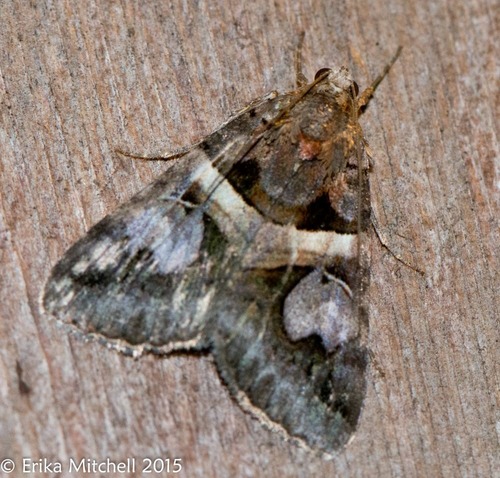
{"x": 365, "y": 96}
{"x": 300, "y": 78}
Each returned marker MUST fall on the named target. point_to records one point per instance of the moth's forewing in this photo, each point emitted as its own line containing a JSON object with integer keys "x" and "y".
{"x": 143, "y": 275}
{"x": 290, "y": 339}
{"x": 249, "y": 247}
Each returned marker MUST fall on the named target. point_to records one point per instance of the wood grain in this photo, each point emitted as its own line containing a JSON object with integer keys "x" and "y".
{"x": 81, "y": 78}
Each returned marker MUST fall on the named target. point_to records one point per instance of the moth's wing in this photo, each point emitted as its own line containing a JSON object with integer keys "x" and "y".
{"x": 167, "y": 271}
{"x": 290, "y": 339}
{"x": 124, "y": 279}
{"x": 312, "y": 392}
{"x": 144, "y": 275}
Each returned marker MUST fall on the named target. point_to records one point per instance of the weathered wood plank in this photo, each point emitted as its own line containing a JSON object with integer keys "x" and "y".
{"x": 78, "y": 79}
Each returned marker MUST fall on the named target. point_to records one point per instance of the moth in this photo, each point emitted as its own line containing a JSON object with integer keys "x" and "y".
{"x": 251, "y": 246}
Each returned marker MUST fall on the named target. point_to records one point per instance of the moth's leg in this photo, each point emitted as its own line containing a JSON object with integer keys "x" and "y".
{"x": 365, "y": 96}
{"x": 382, "y": 236}
{"x": 178, "y": 153}
{"x": 300, "y": 78}
{"x": 166, "y": 156}
{"x": 368, "y": 153}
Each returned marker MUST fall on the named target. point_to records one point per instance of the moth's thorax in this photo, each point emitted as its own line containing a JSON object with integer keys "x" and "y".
{"x": 329, "y": 116}
{"x": 340, "y": 80}
{"x": 340, "y": 89}
{"x": 297, "y": 167}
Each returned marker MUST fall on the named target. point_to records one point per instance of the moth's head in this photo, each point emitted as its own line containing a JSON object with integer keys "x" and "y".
{"x": 339, "y": 81}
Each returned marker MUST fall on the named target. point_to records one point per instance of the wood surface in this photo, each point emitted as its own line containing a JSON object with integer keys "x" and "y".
{"x": 79, "y": 79}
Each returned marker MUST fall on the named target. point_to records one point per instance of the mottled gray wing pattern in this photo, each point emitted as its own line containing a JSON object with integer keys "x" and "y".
{"x": 206, "y": 258}
{"x": 298, "y": 386}
{"x": 144, "y": 275}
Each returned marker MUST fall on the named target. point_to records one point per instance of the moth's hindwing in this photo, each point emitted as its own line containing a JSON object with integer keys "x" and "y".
{"x": 250, "y": 247}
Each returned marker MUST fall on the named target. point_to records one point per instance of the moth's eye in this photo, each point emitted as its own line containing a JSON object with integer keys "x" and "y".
{"x": 354, "y": 89}
{"x": 321, "y": 72}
